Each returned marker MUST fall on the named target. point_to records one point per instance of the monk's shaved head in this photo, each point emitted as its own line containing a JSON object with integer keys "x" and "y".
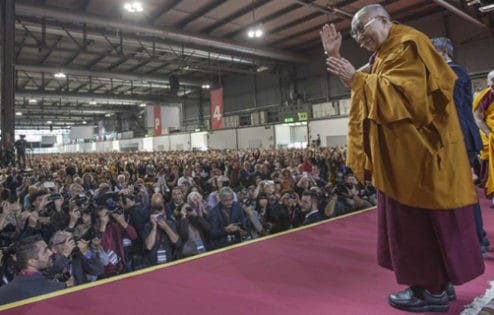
{"x": 370, "y": 11}
{"x": 490, "y": 80}
{"x": 490, "y": 76}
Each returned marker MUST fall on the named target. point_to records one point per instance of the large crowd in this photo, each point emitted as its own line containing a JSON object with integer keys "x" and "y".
{"x": 104, "y": 214}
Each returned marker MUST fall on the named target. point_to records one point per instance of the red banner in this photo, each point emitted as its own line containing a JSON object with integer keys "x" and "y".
{"x": 217, "y": 109}
{"x": 157, "y": 120}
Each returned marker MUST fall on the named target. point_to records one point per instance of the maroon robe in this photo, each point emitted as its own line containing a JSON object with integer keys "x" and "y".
{"x": 427, "y": 247}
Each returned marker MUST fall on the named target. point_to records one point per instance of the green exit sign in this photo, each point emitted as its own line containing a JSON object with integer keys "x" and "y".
{"x": 289, "y": 120}
{"x": 302, "y": 116}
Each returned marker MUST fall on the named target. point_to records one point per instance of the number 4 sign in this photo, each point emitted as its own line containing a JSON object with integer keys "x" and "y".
{"x": 217, "y": 109}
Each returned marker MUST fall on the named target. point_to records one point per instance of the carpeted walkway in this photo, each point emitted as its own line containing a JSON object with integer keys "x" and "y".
{"x": 326, "y": 269}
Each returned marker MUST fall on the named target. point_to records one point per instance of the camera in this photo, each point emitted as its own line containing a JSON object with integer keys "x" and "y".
{"x": 54, "y": 196}
{"x": 113, "y": 207}
{"x": 81, "y": 200}
{"x": 158, "y": 216}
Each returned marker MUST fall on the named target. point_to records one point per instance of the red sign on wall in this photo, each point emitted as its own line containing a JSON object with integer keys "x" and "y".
{"x": 217, "y": 109}
{"x": 157, "y": 120}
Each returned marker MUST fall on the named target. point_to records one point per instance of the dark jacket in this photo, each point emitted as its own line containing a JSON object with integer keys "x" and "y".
{"x": 219, "y": 220}
{"x": 23, "y": 287}
{"x": 80, "y": 266}
{"x": 463, "y": 100}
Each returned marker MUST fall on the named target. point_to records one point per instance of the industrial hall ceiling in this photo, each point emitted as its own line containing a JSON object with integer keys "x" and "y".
{"x": 77, "y": 61}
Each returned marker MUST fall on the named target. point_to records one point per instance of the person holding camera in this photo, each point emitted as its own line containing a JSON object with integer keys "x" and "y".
{"x": 285, "y": 213}
{"x": 58, "y": 215}
{"x": 193, "y": 230}
{"x": 227, "y": 220}
{"x": 74, "y": 261}
{"x": 254, "y": 222}
{"x": 111, "y": 228}
{"x": 136, "y": 215}
{"x": 161, "y": 241}
{"x": 175, "y": 204}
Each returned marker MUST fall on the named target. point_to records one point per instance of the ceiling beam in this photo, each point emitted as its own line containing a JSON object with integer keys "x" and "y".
{"x": 199, "y": 13}
{"x": 106, "y": 74}
{"x": 243, "y": 11}
{"x": 165, "y": 8}
{"x": 266, "y": 19}
{"x": 179, "y": 36}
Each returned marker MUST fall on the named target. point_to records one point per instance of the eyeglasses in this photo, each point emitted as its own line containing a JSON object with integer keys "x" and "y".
{"x": 361, "y": 28}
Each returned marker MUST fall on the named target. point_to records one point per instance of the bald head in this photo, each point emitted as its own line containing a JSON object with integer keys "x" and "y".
{"x": 490, "y": 75}
{"x": 371, "y": 26}
{"x": 370, "y": 11}
{"x": 490, "y": 80}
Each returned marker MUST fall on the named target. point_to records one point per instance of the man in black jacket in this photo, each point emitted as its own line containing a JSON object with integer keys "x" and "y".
{"x": 33, "y": 255}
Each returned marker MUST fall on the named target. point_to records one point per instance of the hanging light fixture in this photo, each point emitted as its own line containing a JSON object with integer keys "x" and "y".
{"x": 60, "y": 75}
{"x": 255, "y": 31}
{"x": 133, "y": 7}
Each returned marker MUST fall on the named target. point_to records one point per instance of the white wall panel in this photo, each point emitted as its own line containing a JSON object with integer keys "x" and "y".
{"x": 180, "y": 142}
{"x": 199, "y": 140}
{"x": 256, "y": 137}
{"x": 222, "y": 139}
{"x": 282, "y": 135}
{"x": 161, "y": 143}
{"x": 328, "y": 127}
{"x": 299, "y": 134}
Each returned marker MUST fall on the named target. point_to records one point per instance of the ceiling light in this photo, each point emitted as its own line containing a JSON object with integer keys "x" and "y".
{"x": 255, "y": 32}
{"x": 49, "y": 122}
{"x": 84, "y": 122}
{"x": 108, "y": 115}
{"x": 205, "y": 86}
{"x": 133, "y": 7}
{"x": 262, "y": 68}
{"x": 142, "y": 105}
{"x": 92, "y": 102}
{"x": 60, "y": 75}
{"x": 18, "y": 113}
{"x": 487, "y": 8}
{"x": 32, "y": 101}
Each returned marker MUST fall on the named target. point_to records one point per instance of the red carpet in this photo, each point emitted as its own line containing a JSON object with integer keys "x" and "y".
{"x": 327, "y": 269}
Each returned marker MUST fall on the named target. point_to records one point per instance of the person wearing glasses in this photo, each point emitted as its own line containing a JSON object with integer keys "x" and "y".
{"x": 404, "y": 133}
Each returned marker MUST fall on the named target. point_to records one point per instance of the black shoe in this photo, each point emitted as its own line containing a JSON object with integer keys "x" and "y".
{"x": 417, "y": 299}
{"x": 450, "y": 291}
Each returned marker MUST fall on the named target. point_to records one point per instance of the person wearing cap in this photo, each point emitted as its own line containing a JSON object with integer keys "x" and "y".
{"x": 405, "y": 134}
{"x": 462, "y": 96}
{"x": 483, "y": 106}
